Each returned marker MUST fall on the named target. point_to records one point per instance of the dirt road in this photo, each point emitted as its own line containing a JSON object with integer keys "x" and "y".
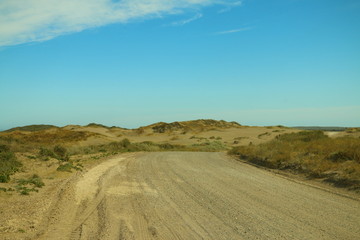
{"x": 180, "y": 195}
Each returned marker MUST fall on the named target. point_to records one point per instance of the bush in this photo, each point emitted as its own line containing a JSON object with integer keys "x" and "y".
{"x": 4, "y": 148}
{"x": 208, "y": 146}
{"x": 125, "y": 143}
{"x": 57, "y": 152}
{"x": 44, "y": 152}
{"x": 67, "y": 167}
{"x": 60, "y": 152}
{"x": 168, "y": 146}
{"x": 25, "y": 186}
{"x": 35, "y": 180}
{"x": 304, "y": 136}
{"x": 8, "y": 163}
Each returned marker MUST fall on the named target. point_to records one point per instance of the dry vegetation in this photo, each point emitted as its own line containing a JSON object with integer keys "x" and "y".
{"x": 336, "y": 160}
{"x": 44, "y": 137}
{"x": 195, "y": 126}
{"x": 40, "y": 158}
{"x": 66, "y": 149}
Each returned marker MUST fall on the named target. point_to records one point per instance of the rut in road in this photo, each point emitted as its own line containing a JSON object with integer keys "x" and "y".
{"x": 180, "y": 195}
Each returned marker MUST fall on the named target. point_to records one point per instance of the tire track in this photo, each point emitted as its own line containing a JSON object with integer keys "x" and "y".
{"x": 179, "y": 195}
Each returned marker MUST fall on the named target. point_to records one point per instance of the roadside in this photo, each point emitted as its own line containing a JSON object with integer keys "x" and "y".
{"x": 24, "y": 216}
{"x": 312, "y": 154}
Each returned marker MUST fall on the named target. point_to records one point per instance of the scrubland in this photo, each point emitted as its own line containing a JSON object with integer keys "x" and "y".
{"x": 312, "y": 153}
{"x": 42, "y": 150}
{"x": 69, "y": 148}
{"x": 39, "y": 163}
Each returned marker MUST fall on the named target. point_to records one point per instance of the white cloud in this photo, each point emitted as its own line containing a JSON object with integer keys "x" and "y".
{"x": 186, "y": 21}
{"x": 230, "y": 6}
{"x": 23, "y": 21}
{"x": 234, "y": 31}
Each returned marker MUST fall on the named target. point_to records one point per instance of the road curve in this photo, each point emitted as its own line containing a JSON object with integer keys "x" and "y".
{"x": 180, "y": 195}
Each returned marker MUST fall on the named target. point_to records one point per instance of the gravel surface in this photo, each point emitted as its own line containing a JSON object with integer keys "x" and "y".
{"x": 180, "y": 195}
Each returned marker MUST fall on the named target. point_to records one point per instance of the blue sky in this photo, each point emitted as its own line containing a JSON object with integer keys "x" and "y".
{"x": 135, "y": 62}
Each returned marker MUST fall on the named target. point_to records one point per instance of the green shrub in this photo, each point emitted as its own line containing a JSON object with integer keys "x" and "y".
{"x": 61, "y": 153}
{"x": 8, "y": 163}
{"x": 45, "y": 152}
{"x": 125, "y": 142}
{"x": 23, "y": 190}
{"x": 35, "y": 180}
{"x": 208, "y": 146}
{"x": 67, "y": 167}
{"x": 58, "y": 152}
{"x": 118, "y": 146}
{"x": 168, "y": 147}
{"x": 25, "y": 186}
{"x": 4, "y": 148}
{"x": 304, "y": 136}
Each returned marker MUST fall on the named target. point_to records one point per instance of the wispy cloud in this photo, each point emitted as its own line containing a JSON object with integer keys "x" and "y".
{"x": 229, "y": 6}
{"x": 233, "y": 31}
{"x": 23, "y": 21}
{"x": 186, "y": 21}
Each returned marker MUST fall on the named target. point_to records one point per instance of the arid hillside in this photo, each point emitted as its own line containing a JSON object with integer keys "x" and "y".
{"x": 184, "y": 133}
{"x": 38, "y": 163}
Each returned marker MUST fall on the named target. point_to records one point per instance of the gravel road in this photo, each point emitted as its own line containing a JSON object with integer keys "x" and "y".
{"x": 180, "y": 195}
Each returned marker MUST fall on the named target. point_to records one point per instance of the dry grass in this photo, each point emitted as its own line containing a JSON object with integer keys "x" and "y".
{"x": 22, "y": 142}
{"x": 32, "y": 128}
{"x": 200, "y": 125}
{"x": 58, "y": 136}
{"x": 312, "y": 153}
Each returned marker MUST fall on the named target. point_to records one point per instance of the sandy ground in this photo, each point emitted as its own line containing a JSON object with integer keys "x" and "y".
{"x": 229, "y": 136}
{"x": 179, "y": 195}
{"x": 332, "y": 134}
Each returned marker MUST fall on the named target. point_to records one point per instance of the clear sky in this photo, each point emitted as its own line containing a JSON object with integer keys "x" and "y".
{"x": 135, "y": 62}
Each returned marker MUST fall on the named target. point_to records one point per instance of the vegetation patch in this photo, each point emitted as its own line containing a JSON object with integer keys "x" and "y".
{"x": 58, "y": 152}
{"x": 195, "y": 126}
{"x": 32, "y": 184}
{"x": 96, "y": 125}
{"x": 45, "y": 138}
{"x": 32, "y": 128}
{"x": 336, "y": 160}
{"x": 214, "y": 146}
{"x": 148, "y": 146}
{"x": 67, "y": 167}
{"x": 8, "y": 164}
